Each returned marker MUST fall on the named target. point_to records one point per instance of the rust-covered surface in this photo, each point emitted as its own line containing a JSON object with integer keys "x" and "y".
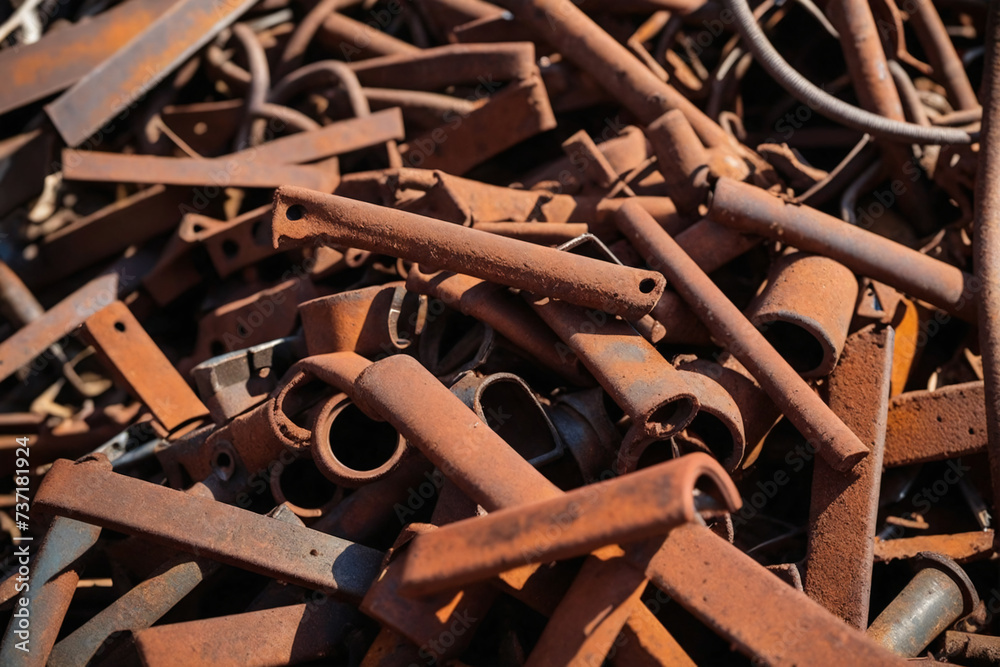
{"x": 498, "y": 332}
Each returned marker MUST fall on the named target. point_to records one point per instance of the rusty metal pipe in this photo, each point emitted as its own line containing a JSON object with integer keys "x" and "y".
{"x": 643, "y": 384}
{"x": 618, "y": 511}
{"x": 814, "y": 419}
{"x": 544, "y": 233}
{"x": 967, "y": 648}
{"x": 805, "y": 311}
{"x": 751, "y": 210}
{"x": 302, "y": 215}
{"x": 986, "y": 242}
{"x": 350, "y": 448}
{"x": 948, "y": 67}
{"x": 507, "y": 314}
{"x": 579, "y": 39}
{"x": 681, "y": 158}
{"x": 718, "y": 427}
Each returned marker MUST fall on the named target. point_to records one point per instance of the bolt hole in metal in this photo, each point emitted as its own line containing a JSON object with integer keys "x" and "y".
{"x": 223, "y": 462}
{"x": 295, "y": 212}
{"x": 647, "y": 285}
{"x": 258, "y": 233}
{"x": 230, "y": 248}
{"x": 120, "y": 326}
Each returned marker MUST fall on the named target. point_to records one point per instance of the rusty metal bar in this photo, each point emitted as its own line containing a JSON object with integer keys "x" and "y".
{"x": 302, "y": 215}
{"x": 935, "y": 425}
{"x": 518, "y": 112}
{"x": 57, "y": 61}
{"x": 960, "y": 547}
{"x": 130, "y": 353}
{"x": 89, "y": 491}
{"x": 133, "y": 70}
{"x": 443, "y": 66}
{"x": 240, "y": 170}
{"x": 587, "y": 621}
{"x": 284, "y": 635}
{"x": 107, "y": 231}
{"x": 836, "y": 443}
{"x": 336, "y": 138}
{"x": 843, "y": 509}
{"x": 30, "y": 341}
{"x": 48, "y": 585}
{"x": 724, "y": 588}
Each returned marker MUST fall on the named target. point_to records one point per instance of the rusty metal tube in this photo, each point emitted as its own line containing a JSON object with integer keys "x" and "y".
{"x": 948, "y": 67}
{"x": 805, "y": 311}
{"x": 643, "y": 384}
{"x": 506, "y": 313}
{"x": 450, "y": 435}
{"x": 986, "y": 242}
{"x": 301, "y": 215}
{"x": 749, "y": 209}
{"x": 624, "y": 76}
{"x": 814, "y": 419}
{"x": 618, "y": 511}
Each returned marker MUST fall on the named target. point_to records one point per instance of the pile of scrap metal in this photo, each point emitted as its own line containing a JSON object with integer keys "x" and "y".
{"x": 416, "y": 332}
